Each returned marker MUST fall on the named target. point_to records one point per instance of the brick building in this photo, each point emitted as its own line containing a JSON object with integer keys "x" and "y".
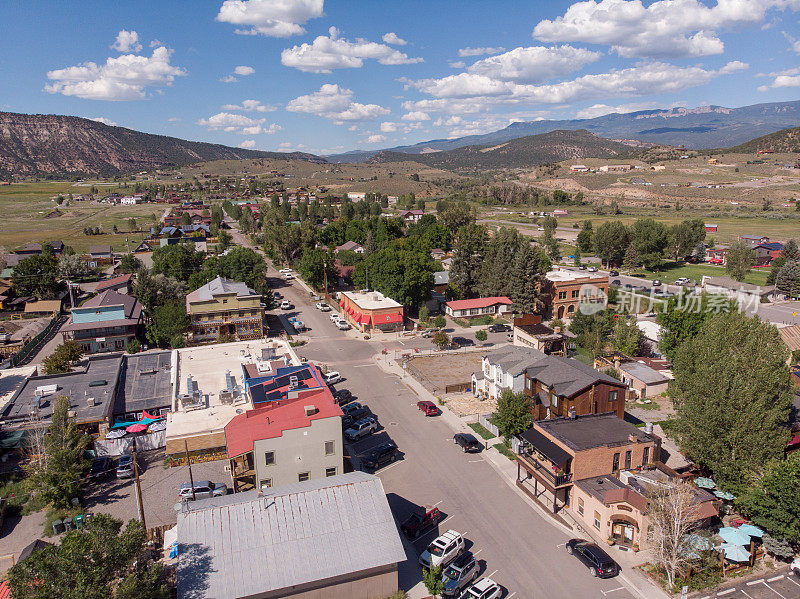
{"x": 566, "y": 289}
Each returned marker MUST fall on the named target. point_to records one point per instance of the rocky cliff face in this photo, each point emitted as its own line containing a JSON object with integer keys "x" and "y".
{"x": 54, "y": 144}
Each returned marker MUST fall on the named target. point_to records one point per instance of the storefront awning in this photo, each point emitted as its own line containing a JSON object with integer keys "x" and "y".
{"x": 341, "y": 302}
{"x": 393, "y": 318}
{"x": 365, "y": 319}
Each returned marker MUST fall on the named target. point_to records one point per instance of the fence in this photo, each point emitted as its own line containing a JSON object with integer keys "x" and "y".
{"x": 483, "y": 419}
{"x": 114, "y": 447}
{"x": 30, "y": 348}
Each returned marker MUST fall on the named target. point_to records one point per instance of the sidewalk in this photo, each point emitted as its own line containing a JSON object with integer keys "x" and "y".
{"x": 507, "y": 469}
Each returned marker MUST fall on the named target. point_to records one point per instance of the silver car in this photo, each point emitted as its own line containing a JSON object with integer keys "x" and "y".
{"x": 203, "y": 489}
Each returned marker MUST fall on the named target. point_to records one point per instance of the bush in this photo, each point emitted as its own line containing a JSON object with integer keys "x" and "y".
{"x": 424, "y": 314}
{"x": 177, "y": 342}
{"x": 439, "y": 321}
{"x": 480, "y": 335}
{"x": 134, "y": 347}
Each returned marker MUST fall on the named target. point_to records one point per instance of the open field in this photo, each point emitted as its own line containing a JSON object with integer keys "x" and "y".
{"x": 671, "y": 271}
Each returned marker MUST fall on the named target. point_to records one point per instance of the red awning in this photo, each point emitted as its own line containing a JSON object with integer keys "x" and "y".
{"x": 392, "y": 318}
{"x": 349, "y": 310}
{"x": 356, "y": 315}
{"x": 365, "y": 319}
{"x": 341, "y": 302}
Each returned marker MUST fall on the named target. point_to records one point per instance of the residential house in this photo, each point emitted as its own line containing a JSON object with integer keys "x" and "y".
{"x": 503, "y": 369}
{"x": 560, "y": 212}
{"x": 350, "y": 246}
{"x": 579, "y": 168}
{"x": 441, "y": 280}
{"x": 287, "y": 441}
{"x": 753, "y": 240}
{"x": 411, "y": 216}
{"x": 565, "y": 290}
{"x": 790, "y": 335}
{"x": 107, "y": 322}
{"x": 447, "y": 263}
{"x": 143, "y": 247}
{"x": 130, "y": 200}
{"x": 560, "y": 386}
{"x": 554, "y": 454}
{"x": 371, "y": 311}
{"x": 43, "y": 308}
{"x": 475, "y": 308}
{"x": 615, "y": 168}
{"x": 239, "y": 546}
{"x": 121, "y": 284}
{"x": 100, "y": 255}
{"x": 717, "y": 255}
{"x": 224, "y": 308}
{"x": 35, "y": 249}
{"x": 642, "y": 379}
{"x": 438, "y": 254}
{"x": 743, "y": 293}
{"x": 530, "y": 331}
{"x": 767, "y": 252}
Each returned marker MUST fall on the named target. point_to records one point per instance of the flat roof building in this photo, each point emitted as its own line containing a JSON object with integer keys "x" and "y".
{"x": 371, "y": 311}
{"x": 565, "y": 290}
{"x": 145, "y": 384}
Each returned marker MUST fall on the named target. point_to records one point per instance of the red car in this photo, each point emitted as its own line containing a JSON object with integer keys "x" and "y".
{"x": 716, "y": 261}
{"x": 428, "y": 407}
{"x": 422, "y": 519}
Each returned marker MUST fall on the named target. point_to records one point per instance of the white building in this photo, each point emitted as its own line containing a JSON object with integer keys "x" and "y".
{"x": 504, "y": 369}
{"x": 130, "y": 200}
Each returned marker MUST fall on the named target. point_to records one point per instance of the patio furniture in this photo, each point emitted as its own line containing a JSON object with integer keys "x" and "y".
{"x": 753, "y": 531}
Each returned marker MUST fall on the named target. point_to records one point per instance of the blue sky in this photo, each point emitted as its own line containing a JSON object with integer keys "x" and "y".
{"x": 335, "y": 76}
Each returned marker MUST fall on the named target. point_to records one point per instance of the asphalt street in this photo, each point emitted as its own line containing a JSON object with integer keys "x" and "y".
{"x": 517, "y": 547}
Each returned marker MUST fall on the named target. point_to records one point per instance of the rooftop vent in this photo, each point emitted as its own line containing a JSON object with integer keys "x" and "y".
{"x": 310, "y": 410}
{"x": 633, "y": 438}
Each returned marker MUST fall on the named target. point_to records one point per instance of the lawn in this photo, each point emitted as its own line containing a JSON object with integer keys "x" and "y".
{"x": 481, "y": 430}
{"x": 671, "y": 271}
{"x": 505, "y": 451}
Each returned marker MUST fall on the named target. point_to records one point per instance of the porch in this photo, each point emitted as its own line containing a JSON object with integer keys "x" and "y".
{"x": 543, "y": 469}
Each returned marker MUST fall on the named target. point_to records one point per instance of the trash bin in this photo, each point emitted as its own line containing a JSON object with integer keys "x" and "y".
{"x": 58, "y": 527}
{"x": 79, "y": 521}
{"x": 68, "y": 524}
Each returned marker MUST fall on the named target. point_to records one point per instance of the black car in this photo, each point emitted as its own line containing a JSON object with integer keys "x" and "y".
{"x": 498, "y": 328}
{"x": 355, "y": 412}
{"x": 101, "y": 468}
{"x": 467, "y": 442}
{"x": 343, "y": 397}
{"x": 616, "y": 282}
{"x": 462, "y": 341}
{"x": 598, "y": 561}
{"x": 613, "y": 273}
{"x": 379, "y": 455}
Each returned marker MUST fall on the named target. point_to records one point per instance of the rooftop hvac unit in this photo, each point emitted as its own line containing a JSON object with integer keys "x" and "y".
{"x": 90, "y": 401}
{"x": 268, "y": 353}
{"x": 191, "y": 385}
{"x": 293, "y": 382}
{"x": 226, "y": 397}
{"x": 230, "y": 382}
{"x": 310, "y": 410}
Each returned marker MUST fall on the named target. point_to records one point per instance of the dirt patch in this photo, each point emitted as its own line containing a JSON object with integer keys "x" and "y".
{"x": 466, "y": 404}
{"x": 436, "y": 372}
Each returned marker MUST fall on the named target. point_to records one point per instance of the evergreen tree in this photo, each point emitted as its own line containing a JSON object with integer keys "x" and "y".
{"x": 499, "y": 261}
{"x": 585, "y": 238}
{"x": 740, "y": 259}
{"x": 787, "y": 279}
{"x": 527, "y": 274}
{"x": 468, "y": 253}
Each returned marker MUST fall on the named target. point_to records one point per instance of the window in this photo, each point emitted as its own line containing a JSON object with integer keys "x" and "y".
{"x": 303, "y": 476}
{"x": 330, "y": 448}
{"x": 580, "y": 505}
{"x": 597, "y": 520}
{"x": 528, "y": 384}
{"x": 269, "y": 458}
{"x": 612, "y": 396}
{"x": 554, "y": 401}
{"x": 575, "y": 293}
{"x": 330, "y": 471}
{"x": 265, "y": 483}
{"x": 562, "y": 295}
{"x": 646, "y": 456}
{"x": 628, "y": 460}
{"x": 615, "y": 463}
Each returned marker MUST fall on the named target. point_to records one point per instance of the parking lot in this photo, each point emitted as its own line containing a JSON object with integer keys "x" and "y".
{"x": 778, "y": 586}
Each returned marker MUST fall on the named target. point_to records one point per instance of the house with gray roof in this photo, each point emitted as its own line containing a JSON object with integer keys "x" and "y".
{"x": 503, "y": 369}
{"x": 107, "y": 322}
{"x": 223, "y": 308}
{"x": 329, "y": 537}
{"x": 644, "y": 380}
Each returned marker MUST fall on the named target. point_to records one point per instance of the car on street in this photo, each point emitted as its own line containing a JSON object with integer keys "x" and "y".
{"x": 335, "y": 317}
{"x": 278, "y": 295}
{"x": 600, "y": 564}
{"x": 343, "y": 397}
{"x": 592, "y": 269}
{"x": 421, "y": 519}
{"x": 485, "y": 588}
{"x": 442, "y": 550}
{"x": 656, "y": 283}
{"x": 457, "y": 342}
{"x": 613, "y": 273}
{"x": 101, "y": 468}
{"x": 125, "y": 468}
{"x": 628, "y": 286}
{"x": 467, "y": 442}
{"x": 428, "y": 407}
{"x": 352, "y": 409}
{"x": 342, "y": 325}
{"x": 498, "y": 328}
{"x": 460, "y": 574}
{"x": 380, "y": 455}
{"x": 323, "y": 307}
{"x": 582, "y": 267}
{"x": 795, "y": 566}
{"x": 286, "y": 305}
{"x": 682, "y": 281}
{"x": 203, "y": 489}
{"x": 288, "y": 276}
{"x": 332, "y": 377}
{"x": 283, "y": 271}
{"x": 361, "y": 428}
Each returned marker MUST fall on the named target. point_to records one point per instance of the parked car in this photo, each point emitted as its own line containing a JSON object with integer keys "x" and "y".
{"x": 582, "y": 267}
{"x": 288, "y": 276}
{"x": 656, "y": 283}
{"x": 592, "y": 269}
{"x": 125, "y": 467}
{"x": 467, "y": 442}
{"x": 283, "y": 271}
{"x": 278, "y": 295}
{"x": 613, "y": 273}
{"x": 598, "y": 561}
{"x": 343, "y": 397}
{"x": 421, "y": 520}
{"x": 628, "y": 286}
{"x": 459, "y": 574}
{"x": 498, "y": 328}
{"x": 715, "y": 261}
{"x": 323, "y": 307}
{"x": 361, "y": 428}
{"x": 203, "y": 489}
{"x": 352, "y": 412}
{"x": 342, "y": 325}
{"x": 428, "y": 407}
{"x": 334, "y": 317}
{"x": 682, "y": 281}
{"x": 461, "y": 341}
{"x": 795, "y": 566}
{"x": 332, "y": 377}
{"x": 286, "y": 305}
{"x": 442, "y": 550}
{"x": 616, "y": 282}
{"x": 380, "y": 455}
{"x": 485, "y": 588}
{"x": 101, "y": 468}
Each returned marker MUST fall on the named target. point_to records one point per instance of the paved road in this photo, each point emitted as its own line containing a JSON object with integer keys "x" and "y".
{"x": 781, "y": 585}
{"x": 521, "y": 550}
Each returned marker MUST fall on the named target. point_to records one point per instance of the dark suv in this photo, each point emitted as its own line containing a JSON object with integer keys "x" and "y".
{"x": 461, "y": 572}
{"x": 101, "y": 468}
{"x": 598, "y": 561}
{"x": 379, "y": 455}
{"x": 498, "y": 328}
{"x": 467, "y": 442}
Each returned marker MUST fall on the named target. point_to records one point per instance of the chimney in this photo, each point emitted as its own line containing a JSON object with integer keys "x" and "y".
{"x": 633, "y": 438}
{"x": 310, "y": 410}
{"x": 648, "y": 429}
{"x": 573, "y": 414}
{"x": 617, "y": 363}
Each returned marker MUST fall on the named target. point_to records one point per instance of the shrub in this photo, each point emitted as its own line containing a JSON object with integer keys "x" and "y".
{"x": 480, "y": 335}
{"x": 134, "y": 347}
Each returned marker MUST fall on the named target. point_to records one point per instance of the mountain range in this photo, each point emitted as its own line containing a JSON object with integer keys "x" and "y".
{"x": 694, "y": 128}
{"x": 54, "y": 145}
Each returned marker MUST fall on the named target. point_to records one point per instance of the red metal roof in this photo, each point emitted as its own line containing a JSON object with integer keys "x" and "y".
{"x": 394, "y": 317}
{"x": 111, "y": 282}
{"x": 269, "y": 422}
{"x": 5, "y": 590}
{"x": 794, "y": 442}
{"x": 481, "y": 302}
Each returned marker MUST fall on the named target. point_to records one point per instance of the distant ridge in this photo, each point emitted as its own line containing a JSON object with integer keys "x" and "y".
{"x": 36, "y": 144}
{"x": 785, "y": 141}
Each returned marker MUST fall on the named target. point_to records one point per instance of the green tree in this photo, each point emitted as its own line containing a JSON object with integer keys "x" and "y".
{"x": 685, "y": 237}
{"x": 631, "y": 260}
{"x": 38, "y": 276}
{"x": 439, "y": 322}
{"x": 627, "y": 337}
{"x": 498, "y": 262}
{"x": 790, "y": 250}
{"x": 683, "y": 317}
{"x": 166, "y": 321}
{"x": 527, "y": 275}
{"x": 399, "y": 271}
{"x": 456, "y": 215}
{"x": 432, "y": 579}
{"x": 440, "y": 339}
{"x": 156, "y": 290}
{"x": 468, "y": 253}
{"x": 186, "y": 219}
{"x": 62, "y": 358}
{"x": 732, "y": 394}
{"x": 740, "y": 259}
{"x": 313, "y": 266}
{"x": 133, "y": 347}
{"x": 423, "y": 313}
{"x": 610, "y": 241}
{"x": 773, "y": 501}
{"x": 585, "y": 238}
{"x": 649, "y": 237}
{"x": 513, "y": 414}
{"x": 787, "y": 279}
{"x": 178, "y": 261}
{"x": 480, "y": 335}
{"x": 550, "y": 244}
{"x": 72, "y": 267}
{"x": 129, "y": 264}
{"x": 225, "y": 240}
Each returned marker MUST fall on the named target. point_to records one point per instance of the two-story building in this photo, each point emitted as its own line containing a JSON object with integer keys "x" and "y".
{"x": 565, "y": 290}
{"x": 530, "y": 331}
{"x": 222, "y": 308}
{"x": 107, "y": 322}
{"x": 753, "y": 240}
{"x": 503, "y": 369}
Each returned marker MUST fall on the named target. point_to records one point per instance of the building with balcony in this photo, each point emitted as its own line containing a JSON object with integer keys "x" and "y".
{"x": 223, "y": 308}
{"x": 565, "y": 290}
{"x": 530, "y": 331}
{"x": 107, "y": 322}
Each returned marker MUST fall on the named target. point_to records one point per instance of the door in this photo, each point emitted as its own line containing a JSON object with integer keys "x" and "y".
{"x": 622, "y": 533}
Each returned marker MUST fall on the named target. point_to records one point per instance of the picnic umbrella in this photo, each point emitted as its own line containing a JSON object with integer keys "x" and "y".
{"x": 157, "y": 426}
{"x": 136, "y": 428}
{"x": 725, "y": 496}
{"x": 734, "y": 535}
{"x": 705, "y": 483}
{"x": 116, "y": 434}
{"x": 753, "y": 531}
{"x": 735, "y": 553}
{"x": 696, "y": 543}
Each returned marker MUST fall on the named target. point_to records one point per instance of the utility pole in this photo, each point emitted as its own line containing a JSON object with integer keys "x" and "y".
{"x": 71, "y": 298}
{"x": 138, "y": 490}
{"x": 325, "y": 276}
{"x": 189, "y": 463}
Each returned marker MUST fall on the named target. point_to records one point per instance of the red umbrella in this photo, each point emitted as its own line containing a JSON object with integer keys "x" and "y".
{"x": 136, "y": 428}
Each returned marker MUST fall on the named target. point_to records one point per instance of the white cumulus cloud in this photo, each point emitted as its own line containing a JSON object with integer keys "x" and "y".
{"x": 373, "y": 139}
{"x": 335, "y": 103}
{"x": 480, "y": 51}
{"x": 127, "y": 41}
{"x": 415, "y": 116}
{"x": 273, "y": 18}
{"x": 666, "y": 28}
{"x": 388, "y": 127}
{"x": 596, "y": 110}
{"x": 534, "y": 64}
{"x": 238, "y": 123}
{"x": 330, "y": 52}
{"x": 392, "y": 38}
{"x": 243, "y": 70}
{"x": 104, "y": 120}
{"x": 250, "y": 106}
{"x": 126, "y": 77}
{"x": 248, "y": 143}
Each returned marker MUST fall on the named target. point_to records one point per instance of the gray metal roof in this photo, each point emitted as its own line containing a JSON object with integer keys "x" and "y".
{"x": 643, "y": 372}
{"x": 567, "y": 376}
{"x": 513, "y": 359}
{"x": 144, "y": 383}
{"x": 219, "y": 286}
{"x": 244, "y": 544}
{"x": 441, "y": 278}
